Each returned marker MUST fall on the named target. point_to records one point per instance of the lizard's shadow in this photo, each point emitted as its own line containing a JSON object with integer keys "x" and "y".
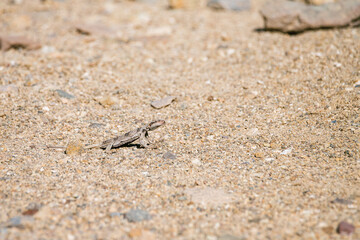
{"x": 129, "y": 145}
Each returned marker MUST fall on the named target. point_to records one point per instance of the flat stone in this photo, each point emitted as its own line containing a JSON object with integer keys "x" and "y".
{"x": 20, "y": 221}
{"x": 291, "y": 16}
{"x": 137, "y": 215}
{"x": 345, "y": 228}
{"x": 234, "y": 5}
{"x": 162, "y": 102}
{"x": 64, "y": 94}
{"x": 96, "y": 125}
{"x": 16, "y": 42}
{"x": 169, "y": 155}
{"x": 342, "y": 201}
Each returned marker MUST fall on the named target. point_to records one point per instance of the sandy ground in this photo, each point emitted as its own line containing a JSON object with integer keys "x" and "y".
{"x": 262, "y": 141}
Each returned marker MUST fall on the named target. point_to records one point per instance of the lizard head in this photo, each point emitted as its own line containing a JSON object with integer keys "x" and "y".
{"x": 155, "y": 124}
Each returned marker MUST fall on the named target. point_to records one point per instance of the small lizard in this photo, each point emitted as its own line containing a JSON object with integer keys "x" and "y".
{"x": 140, "y": 133}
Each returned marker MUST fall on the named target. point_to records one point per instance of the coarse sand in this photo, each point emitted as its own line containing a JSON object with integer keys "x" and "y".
{"x": 262, "y": 141}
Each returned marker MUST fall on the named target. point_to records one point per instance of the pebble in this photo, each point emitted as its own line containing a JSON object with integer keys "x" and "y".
{"x": 74, "y": 148}
{"x": 345, "y": 228}
{"x": 342, "y": 201}
{"x": 106, "y": 101}
{"x": 162, "y": 102}
{"x": 286, "y": 151}
{"x": 64, "y": 94}
{"x": 8, "y": 42}
{"x": 96, "y": 125}
{"x": 137, "y": 215}
{"x": 196, "y": 161}
{"x": 169, "y": 155}
{"x": 20, "y": 221}
{"x": 259, "y": 155}
{"x": 235, "y": 5}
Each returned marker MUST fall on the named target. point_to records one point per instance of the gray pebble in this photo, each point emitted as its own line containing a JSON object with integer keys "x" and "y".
{"x": 96, "y": 125}
{"x": 137, "y": 215}
{"x": 169, "y": 155}
{"x": 20, "y": 221}
{"x": 64, "y": 94}
{"x": 235, "y": 5}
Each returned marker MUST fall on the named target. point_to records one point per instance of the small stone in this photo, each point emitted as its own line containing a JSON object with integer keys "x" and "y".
{"x": 96, "y": 125}
{"x": 16, "y": 42}
{"x": 106, "y": 101}
{"x": 137, "y": 215}
{"x": 235, "y": 5}
{"x": 342, "y": 201}
{"x": 196, "y": 161}
{"x": 74, "y": 148}
{"x": 20, "y": 221}
{"x": 162, "y": 102}
{"x": 210, "y": 98}
{"x": 169, "y": 155}
{"x": 286, "y": 151}
{"x": 259, "y": 155}
{"x": 345, "y": 228}
{"x": 64, "y": 94}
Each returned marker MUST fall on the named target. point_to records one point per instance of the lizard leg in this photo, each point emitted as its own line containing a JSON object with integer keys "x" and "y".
{"x": 144, "y": 141}
{"x": 109, "y": 146}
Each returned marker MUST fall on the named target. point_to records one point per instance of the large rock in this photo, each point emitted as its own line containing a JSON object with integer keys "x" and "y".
{"x": 287, "y": 16}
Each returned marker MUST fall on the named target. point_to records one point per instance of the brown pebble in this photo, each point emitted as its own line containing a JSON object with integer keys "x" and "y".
{"x": 74, "y": 148}
{"x": 345, "y": 228}
{"x": 106, "y": 101}
{"x": 259, "y": 154}
{"x": 210, "y": 98}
